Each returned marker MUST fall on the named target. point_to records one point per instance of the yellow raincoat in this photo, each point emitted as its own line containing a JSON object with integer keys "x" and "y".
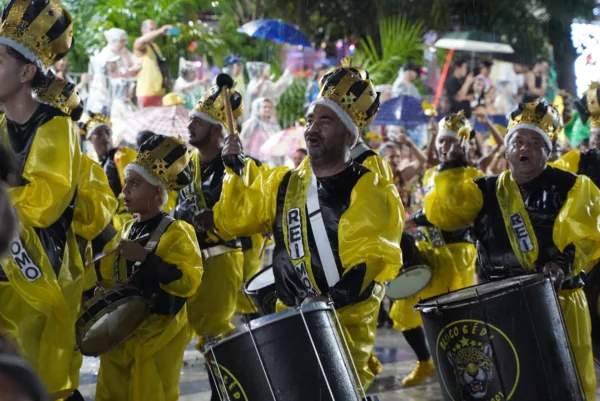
{"x": 212, "y": 307}
{"x": 453, "y": 266}
{"x": 94, "y": 210}
{"x": 367, "y": 235}
{"x": 147, "y": 367}
{"x": 456, "y": 201}
{"x": 40, "y": 308}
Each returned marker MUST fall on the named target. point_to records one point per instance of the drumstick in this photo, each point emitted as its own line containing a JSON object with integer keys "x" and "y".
{"x": 225, "y": 82}
{"x": 112, "y": 251}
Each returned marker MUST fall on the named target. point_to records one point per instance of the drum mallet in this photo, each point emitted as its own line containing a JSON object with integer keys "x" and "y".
{"x": 225, "y": 83}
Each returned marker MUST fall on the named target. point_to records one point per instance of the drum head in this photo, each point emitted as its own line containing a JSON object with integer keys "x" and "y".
{"x": 486, "y": 290}
{"x": 116, "y": 324}
{"x": 409, "y": 282}
{"x": 262, "y": 279}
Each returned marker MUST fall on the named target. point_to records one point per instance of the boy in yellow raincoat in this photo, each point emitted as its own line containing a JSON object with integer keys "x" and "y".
{"x": 42, "y": 280}
{"x": 363, "y": 247}
{"x": 556, "y": 213}
{"x": 167, "y": 268}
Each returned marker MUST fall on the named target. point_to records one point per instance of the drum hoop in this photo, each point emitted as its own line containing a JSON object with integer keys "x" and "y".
{"x": 430, "y": 304}
{"x": 263, "y": 321}
{"x": 255, "y": 292}
{"x": 82, "y": 329}
{"x": 404, "y": 271}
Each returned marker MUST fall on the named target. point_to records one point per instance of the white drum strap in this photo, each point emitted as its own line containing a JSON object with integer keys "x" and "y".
{"x": 318, "y": 229}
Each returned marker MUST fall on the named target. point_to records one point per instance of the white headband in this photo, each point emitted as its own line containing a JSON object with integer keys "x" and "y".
{"x": 531, "y": 127}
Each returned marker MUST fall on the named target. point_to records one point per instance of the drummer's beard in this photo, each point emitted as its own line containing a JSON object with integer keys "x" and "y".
{"x": 329, "y": 152}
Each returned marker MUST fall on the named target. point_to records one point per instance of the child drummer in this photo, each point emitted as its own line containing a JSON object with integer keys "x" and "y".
{"x": 147, "y": 366}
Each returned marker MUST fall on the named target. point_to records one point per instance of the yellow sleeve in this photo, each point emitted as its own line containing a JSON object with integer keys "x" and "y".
{"x": 568, "y": 162}
{"x": 369, "y": 234}
{"x": 578, "y": 223}
{"x": 454, "y": 200}
{"x": 179, "y": 246}
{"x": 245, "y": 210}
{"x": 123, "y": 157}
{"x": 252, "y": 170}
{"x": 107, "y": 263}
{"x": 96, "y": 203}
{"x": 52, "y": 172}
{"x": 379, "y": 166}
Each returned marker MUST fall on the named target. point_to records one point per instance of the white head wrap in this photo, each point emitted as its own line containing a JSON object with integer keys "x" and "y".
{"x": 114, "y": 35}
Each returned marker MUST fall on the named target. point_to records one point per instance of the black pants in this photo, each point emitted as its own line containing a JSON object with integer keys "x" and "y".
{"x": 416, "y": 339}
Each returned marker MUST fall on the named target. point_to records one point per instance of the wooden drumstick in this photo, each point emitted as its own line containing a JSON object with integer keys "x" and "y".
{"x": 112, "y": 251}
{"x": 225, "y": 83}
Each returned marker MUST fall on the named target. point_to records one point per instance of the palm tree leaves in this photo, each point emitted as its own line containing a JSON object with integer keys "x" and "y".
{"x": 400, "y": 40}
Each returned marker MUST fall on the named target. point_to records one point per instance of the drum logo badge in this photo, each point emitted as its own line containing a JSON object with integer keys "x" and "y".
{"x": 228, "y": 383}
{"x": 469, "y": 349}
{"x": 518, "y": 225}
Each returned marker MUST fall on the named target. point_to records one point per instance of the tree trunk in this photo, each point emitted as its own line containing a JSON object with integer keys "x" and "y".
{"x": 559, "y": 34}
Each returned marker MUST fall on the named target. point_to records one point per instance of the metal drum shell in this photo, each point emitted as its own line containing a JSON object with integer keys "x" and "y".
{"x": 287, "y": 356}
{"x": 264, "y": 298}
{"x": 525, "y": 341}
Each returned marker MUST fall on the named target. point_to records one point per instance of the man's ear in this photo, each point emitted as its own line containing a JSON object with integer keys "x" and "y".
{"x": 28, "y": 72}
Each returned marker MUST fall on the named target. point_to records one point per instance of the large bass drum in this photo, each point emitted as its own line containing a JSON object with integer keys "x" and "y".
{"x": 504, "y": 340}
{"x": 294, "y": 355}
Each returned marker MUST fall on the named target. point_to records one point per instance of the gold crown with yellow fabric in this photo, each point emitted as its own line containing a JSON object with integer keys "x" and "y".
{"x": 455, "y": 125}
{"x": 211, "y": 107}
{"x": 348, "y": 91}
{"x": 60, "y": 94}
{"x": 163, "y": 160}
{"x": 589, "y": 107}
{"x": 537, "y": 116}
{"x": 91, "y": 121}
{"x": 41, "y": 30}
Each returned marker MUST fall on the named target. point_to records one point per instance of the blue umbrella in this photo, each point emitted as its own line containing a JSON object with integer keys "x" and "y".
{"x": 274, "y": 30}
{"x": 401, "y": 110}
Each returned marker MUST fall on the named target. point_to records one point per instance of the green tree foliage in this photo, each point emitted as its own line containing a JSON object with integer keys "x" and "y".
{"x": 400, "y": 40}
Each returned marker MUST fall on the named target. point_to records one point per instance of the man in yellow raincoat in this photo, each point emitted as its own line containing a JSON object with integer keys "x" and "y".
{"x": 555, "y": 213}
{"x": 98, "y": 130}
{"x": 331, "y": 197}
{"x": 451, "y": 254}
{"x": 42, "y": 279}
{"x": 211, "y": 309}
{"x": 96, "y": 203}
{"x": 166, "y": 268}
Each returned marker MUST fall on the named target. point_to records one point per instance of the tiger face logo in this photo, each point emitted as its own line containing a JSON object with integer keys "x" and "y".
{"x": 466, "y": 355}
{"x": 474, "y": 368}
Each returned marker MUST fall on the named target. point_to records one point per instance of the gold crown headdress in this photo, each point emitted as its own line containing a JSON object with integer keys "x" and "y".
{"x": 537, "y": 116}
{"x": 92, "y": 121}
{"x": 211, "y": 107}
{"x": 348, "y": 91}
{"x": 456, "y": 125}
{"x": 41, "y": 30}
{"x": 166, "y": 159}
{"x": 589, "y": 106}
{"x": 60, "y": 94}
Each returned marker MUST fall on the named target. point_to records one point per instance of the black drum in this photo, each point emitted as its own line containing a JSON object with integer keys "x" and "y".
{"x": 261, "y": 290}
{"x": 504, "y": 340}
{"x": 294, "y": 355}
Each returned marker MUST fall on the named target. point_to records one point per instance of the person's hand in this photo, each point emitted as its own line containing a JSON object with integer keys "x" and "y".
{"x": 469, "y": 79}
{"x": 457, "y": 151}
{"x": 204, "y": 220}
{"x": 132, "y": 251}
{"x": 481, "y": 115}
{"x": 556, "y": 274}
{"x": 409, "y": 224}
{"x": 401, "y": 138}
{"x": 165, "y": 28}
{"x": 232, "y": 146}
